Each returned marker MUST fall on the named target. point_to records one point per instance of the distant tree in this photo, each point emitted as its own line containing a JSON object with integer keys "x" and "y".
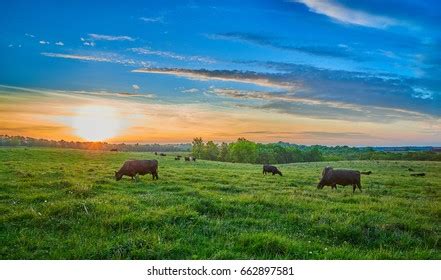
{"x": 211, "y": 151}
{"x": 243, "y": 151}
{"x": 223, "y": 152}
{"x": 197, "y": 147}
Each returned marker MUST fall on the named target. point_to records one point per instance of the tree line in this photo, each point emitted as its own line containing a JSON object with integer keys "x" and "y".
{"x": 246, "y": 151}
{"x": 242, "y": 150}
{"x": 13, "y": 141}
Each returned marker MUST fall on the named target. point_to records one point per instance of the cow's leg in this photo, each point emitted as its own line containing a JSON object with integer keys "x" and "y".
{"x": 353, "y": 188}
{"x": 333, "y": 186}
{"x": 359, "y": 187}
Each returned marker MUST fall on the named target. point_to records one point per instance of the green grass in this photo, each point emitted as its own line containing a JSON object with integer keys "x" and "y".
{"x": 65, "y": 204}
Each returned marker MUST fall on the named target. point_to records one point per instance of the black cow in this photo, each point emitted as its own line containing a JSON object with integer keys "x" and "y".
{"x": 177, "y": 158}
{"x": 333, "y": 177}
{"x": 422, "y": 174}
{"x": 187, "y": 158}
{"x": 193, "y": 158}
{"x": 156, "y": 153}
{"x": 133, "y": 167}
{"x": 271, "y": 169}
{"x": 162, "y": 154}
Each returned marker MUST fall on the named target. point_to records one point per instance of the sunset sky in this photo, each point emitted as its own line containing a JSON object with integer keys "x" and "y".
{"x": 335, "y": 72}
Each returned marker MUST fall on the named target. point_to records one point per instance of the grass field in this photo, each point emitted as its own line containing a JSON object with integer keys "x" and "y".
{"x": 65, "y": 204}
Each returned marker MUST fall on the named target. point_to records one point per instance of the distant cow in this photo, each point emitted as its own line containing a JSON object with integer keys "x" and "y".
{"x": 156, "y": 153}
{"x": 162, "y": 154}
{"x": 193, "y": 158}
{"x": 366, "y": 172}
{"x": 410, "y": 169}
{"x": 271, "y": 169}
{"x": 133, "y": 167}
{"x": 114, "y": 150}
{"x": 422, "y": 174}
{"x": 333, "y": 177}
{"x": 187, "y": 158}
{"x": 177, "y": 158}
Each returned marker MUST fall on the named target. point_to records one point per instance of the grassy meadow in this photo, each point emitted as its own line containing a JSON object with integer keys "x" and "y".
{"x": 65, "y": 204}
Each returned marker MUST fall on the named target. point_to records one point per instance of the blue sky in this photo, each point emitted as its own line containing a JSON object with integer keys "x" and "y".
{"x": 332, "y": 72}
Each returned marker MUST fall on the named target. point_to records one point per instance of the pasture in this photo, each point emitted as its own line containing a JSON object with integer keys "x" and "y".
{"x": 66, "y": 204}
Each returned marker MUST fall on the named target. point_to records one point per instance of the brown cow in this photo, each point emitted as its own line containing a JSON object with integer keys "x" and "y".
{"x": 132, "y": 168}
{"x": 333, "y": 177}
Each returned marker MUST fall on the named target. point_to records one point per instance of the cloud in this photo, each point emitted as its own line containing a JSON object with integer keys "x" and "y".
{"x": 77, "y": 57}
{"x": 59, "y": 43}
{"x": 347, "y": 15}
{"x": 111, "y": 58}
{"x": 315, "y": 134}
{"x": 152, "y": 19}
{"x": 422, "y": 93}
{"x": 356, "y": 93}
{"x": 101, "y": 37}
{"x": 135, "y": 87}
{"x": 90, "y": 44}
{"x": 44, "y": 42}
{"x": 190, "y": 90}
{"x": 167, "y": 54}
{"x": 29, "y": 35}
{"x": 222, "y": 75}
{"x": 127, "y": 94}
{"x": 268, "y": 41}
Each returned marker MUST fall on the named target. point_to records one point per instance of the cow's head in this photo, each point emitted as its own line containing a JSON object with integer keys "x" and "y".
{"x": 280, "y": 173}
{"x": 118, "y": 176}
{"x": 326, "y": 174}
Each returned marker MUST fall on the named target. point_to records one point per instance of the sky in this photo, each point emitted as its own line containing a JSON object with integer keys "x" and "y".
{"x": 337, "y": 72}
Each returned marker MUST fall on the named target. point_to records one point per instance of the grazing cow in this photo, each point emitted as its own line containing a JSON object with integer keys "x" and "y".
{"x": 177, "y": 158}
{"x": 187, "y": 158}
{"x": 114, "y": 150}
{"x": 133, "y": 167}
{"x": 271, "y": 169}
{"x": 162, "y": 154}
{"x": 333, "y": 177}
{"x": 366, "y": 172}
{"x": 156, "y": 153}
{"x": 422, "y": 174}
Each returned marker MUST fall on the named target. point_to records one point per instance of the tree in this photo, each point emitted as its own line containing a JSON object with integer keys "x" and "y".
{"x": 211, "y": 151}
{"x": 197, "y": 147}
{"x": 223, "y": 152}
{"x": 243, "y": 151}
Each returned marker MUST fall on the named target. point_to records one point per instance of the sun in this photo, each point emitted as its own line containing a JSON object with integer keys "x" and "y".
{"x": 96, "y": 123}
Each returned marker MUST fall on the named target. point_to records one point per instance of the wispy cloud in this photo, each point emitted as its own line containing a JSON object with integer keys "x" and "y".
{"x": 59, "y": 43}
{"x": 339, "y": 90}
{"x": 77, "y": 57}
{"x": 29, "y": 35}
{"x": 167, "y": 54}
{"x": 44, "y": 42}
{"x": 273, "y": 42}
{"x": 101, "y": 37}
{"x": 152, "y": 19}
{"x": 111, "y": 58}
{"x": 222, "y": 75}
{"x": 347, "y": 15}
{"x": 190, "y": 90}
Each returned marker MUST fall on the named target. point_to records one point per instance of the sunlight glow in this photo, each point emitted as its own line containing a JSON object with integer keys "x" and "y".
{"x": 96, "y": 123}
